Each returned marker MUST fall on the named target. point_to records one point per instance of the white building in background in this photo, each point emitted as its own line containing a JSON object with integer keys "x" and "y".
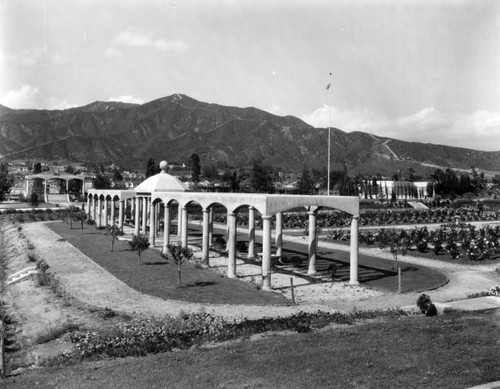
{"x": 403, "y": 190}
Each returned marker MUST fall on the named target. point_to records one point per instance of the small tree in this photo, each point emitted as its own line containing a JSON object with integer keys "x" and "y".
{"x": 80, "y": 216}
{"x": 114, "y": 232}
{"x": 34, "y": 200}
{"x": 179, "y": 255}
{"x": 139, "y": 243}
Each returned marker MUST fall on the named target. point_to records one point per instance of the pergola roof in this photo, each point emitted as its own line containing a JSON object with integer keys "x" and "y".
{"x": 51, "y": 176}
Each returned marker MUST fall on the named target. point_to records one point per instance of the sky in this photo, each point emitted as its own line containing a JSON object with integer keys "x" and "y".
{"x": 419, "y": 70}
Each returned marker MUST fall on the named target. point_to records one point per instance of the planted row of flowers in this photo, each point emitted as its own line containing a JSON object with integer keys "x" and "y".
{"x": 377, "y": 217}
{"x": 462, "y": 240}
{"x": 143, "y": 336}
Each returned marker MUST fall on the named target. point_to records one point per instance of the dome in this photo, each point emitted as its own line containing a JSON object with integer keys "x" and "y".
{"x": 161, "y": 182}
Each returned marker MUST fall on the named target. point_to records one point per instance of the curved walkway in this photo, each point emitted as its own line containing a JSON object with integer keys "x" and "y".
{"x": 91, "y": 284}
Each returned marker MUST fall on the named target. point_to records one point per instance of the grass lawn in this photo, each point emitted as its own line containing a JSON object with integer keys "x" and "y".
{"x": 157, "y": 277}
{"x": 452, "y": 351}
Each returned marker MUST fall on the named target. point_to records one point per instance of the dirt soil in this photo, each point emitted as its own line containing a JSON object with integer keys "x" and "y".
{"x": 84, "y": 291}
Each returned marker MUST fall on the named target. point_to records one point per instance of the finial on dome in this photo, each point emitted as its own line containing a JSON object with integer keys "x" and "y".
{"x": 163, "y": 166}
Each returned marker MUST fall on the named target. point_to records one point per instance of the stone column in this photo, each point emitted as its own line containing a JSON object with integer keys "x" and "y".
{"x": 152, "y": 224}
{"x": 112, "y": 205}
{"x": 121, "y": 206}
{"x": 27, "y": 188}
{"x": 184, "y": 223}
{"x": 179, "y": 220}
{"x": 231, "y": 245}
{"x": 211, "y": 227}
{"x": 94, "y": 209}
{"x": 137, "y": 216}
{"x": 312, "y": 243}
{"x": 105, "y": 211}
{"x": 88, "y": 206}
{"x": 279, "y": 234}
{"x": 266, "y": 252}
{"x": 144, "y": 214}
{"x": 166, "y": 228}
{"x": 132, "y": 209}
{"x": 354, "y": 251}
{"x": 251, "y": 232}
{"x": 205, "y": 236}
{"x": 45, "y": 197}
{"x": 98, "y": 217}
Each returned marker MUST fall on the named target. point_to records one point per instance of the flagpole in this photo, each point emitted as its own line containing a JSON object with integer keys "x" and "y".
{"x": 329, "y": 130}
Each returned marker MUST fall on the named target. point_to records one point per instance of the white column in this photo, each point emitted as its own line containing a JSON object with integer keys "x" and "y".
{"x": 184, "y": 223}
{"x": 354, "y": 251}
{"x": 94, "y": 208}
{"x": 210, "y": 227}
{"x": 27, "y": 188}
{"x": 312, "y": 243}
{"x": 279, "y": 234}
{"x": 45, "y": 197}
{"x": 251, "y": 232}
{"x": 179, "y": 220}
{"x": 88, "y": 205}
{"x": 121, "y": 205}
{"x": 144, "y": 214}
{"x": 166, "y": 228}
{"x": 132, "y": 209}
{"x": 205, "y": 236}
{"x": 105, "y": 212}
{"x": 112, "y": 205}
{"x": 98, "y": 216}
{"x": 231, "y": 245}
{"x": 137, "y": 216}
{"x": 157, "y": 218}
{"x": 266, "y": 252}
{"x": 152, "y": 224}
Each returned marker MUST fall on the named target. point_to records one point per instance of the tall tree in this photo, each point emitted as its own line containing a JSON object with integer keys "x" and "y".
{"x": 194, "y": 161}
{"x": 101, "y": 182}
{"x": 305, "y": 185}
{"x": 117, "y": 175}
{"x": 152, "y": 168}
{"x": 37, "y": 168}
{"x": 261, "y": 180}
{"x": 6, "y": 182}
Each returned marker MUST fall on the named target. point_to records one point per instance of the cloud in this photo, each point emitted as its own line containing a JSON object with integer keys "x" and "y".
{"x": 135, "y": 39}
{"x": 477, "y": 130}
{"x": 30, "y": 97}
{"x": 34, "y": 56}
{"x": 25, "y": 97}
{"x": 127, "y": 99}
{"x": 113, "y": 52}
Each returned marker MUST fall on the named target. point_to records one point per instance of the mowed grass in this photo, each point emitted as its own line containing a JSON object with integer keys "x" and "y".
{"x": 452, "y": 351}
{"x": 156, "y": 276}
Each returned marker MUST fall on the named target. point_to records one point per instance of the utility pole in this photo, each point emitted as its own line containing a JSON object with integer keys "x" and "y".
{"x": 329, "y": 88}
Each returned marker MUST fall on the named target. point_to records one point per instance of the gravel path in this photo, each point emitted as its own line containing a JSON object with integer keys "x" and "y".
{"x": 89, "y": 283}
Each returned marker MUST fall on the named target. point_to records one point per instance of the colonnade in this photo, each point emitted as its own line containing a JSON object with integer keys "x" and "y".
{"x": 146, "y": 211}
{"x": 102, "y": 210}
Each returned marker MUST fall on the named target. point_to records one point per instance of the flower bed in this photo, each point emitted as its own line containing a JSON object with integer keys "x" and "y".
{"x": 462, "y": 240}
{"x": 332, "y": 218}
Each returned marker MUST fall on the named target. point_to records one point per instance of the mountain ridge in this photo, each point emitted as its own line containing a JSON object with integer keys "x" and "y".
{"x": 173, "y": 127}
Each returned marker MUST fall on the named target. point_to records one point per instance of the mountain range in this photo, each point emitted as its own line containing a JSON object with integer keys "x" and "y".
{"x": 175, "y": 127}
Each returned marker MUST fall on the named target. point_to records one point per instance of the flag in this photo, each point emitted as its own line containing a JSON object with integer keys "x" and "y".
{"x": 328, "y": 86}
